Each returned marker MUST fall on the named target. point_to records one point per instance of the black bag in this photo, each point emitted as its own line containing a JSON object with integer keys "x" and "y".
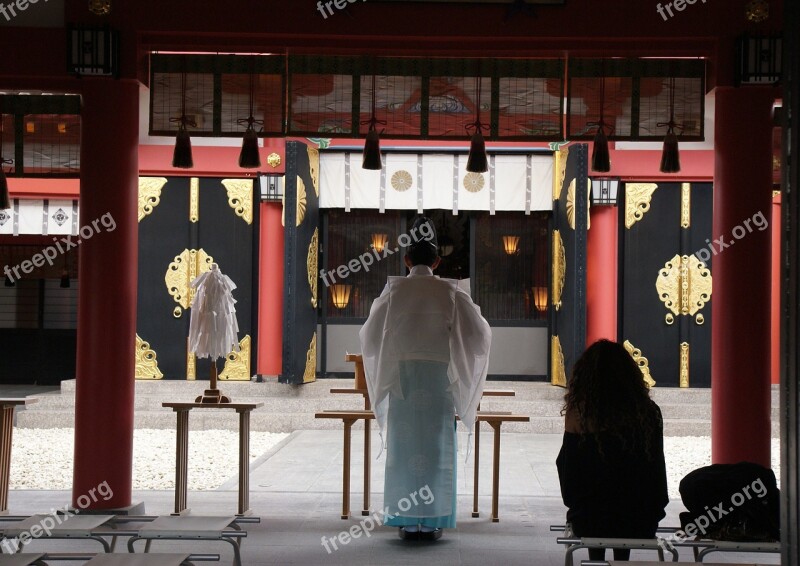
{"x": 734, "y": 502}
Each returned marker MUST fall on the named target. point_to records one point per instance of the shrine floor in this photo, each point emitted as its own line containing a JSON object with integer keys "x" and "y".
{"x": 296, "y": 490}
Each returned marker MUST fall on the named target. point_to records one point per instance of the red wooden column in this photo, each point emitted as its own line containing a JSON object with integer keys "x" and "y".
{"x": 601, "y": 275}
{"x": 740, "y": 342}
{"x": 107, "y": 297}
{"x": 270, "y": 315}
{"x": 775, "y": 309}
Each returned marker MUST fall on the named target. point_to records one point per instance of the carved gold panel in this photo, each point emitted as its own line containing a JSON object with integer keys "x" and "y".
{"x": 559, "y": 268}
{"x": 684, "y": 285}
{"x": 146, "y": 364}
{"x": 301, "y": 204}
{"x": 641, "y": 361}
{"x": 237, "y": 364}
{"x": 558, "y": 374}
{"x": 194, "y": 199}
{"x": 240, "y": 197}
{"x": 149, "y": 194}
{"x": 181, "y": 272}
{"x": 312, "y": 261}
{"x": 571, "y": 204}
{"x": 559, "y": 170}
{"x": 313, "y": 165}
{"x": 637, "y": 201}
{"x": 684, "y": 375}
{"x": 686, "y": 205}
{"x": 273, "y": 159}
{"x": 310, "y": 373}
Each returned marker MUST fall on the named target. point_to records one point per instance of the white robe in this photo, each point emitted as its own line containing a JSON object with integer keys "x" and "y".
{"x": 423, "y": 317}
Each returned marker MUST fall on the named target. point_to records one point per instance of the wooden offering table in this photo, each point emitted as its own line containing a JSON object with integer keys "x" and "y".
{"x": 496, "y": 420}
{"x": 182, "y": 450}
{"x": 6, "y": 434}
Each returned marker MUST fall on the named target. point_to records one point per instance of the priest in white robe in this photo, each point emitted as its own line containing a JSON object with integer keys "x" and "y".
{"x": 425, "y": 347}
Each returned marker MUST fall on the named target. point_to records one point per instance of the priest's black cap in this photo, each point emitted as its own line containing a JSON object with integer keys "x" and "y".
{"x": 423, "y": 233}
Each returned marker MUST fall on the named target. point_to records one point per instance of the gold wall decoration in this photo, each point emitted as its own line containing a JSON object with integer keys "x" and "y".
{"x": 571, "y": 204}
{"x": 99, "y": 7}
{"x": 560, "y": 158}
{"x": 240, "y": 197}
{"x": 313, "y": 166}
{"x": 558, "y": 374}
{"x": 310, "y": 374}
{"x": 474, "y": 182}
{"x": 637, "y": 201}
{"x": 273, "y": 159}
{"x": 149, "y": 194}
{"x": 559, "y": 268}
{"x": 301, "y": 204}
{"x": 401, "y": 181}
{"x": 177, "y": 312}
{"x": 312, "y": 261}
{"x": 684, "y": 285}
{"x": 684, "y": 379}
{"x": 194, "y": 200}
{"x": 686, "y": 205}
{"x": 237, "y": 364}
{"x": 641, "y": 361}
{"x": 181, "y": 272}
{"x": 146, "y": 364}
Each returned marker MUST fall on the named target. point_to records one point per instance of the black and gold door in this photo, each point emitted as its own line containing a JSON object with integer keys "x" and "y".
{"x": 301, "y": 271}
{"x": 568, "y": 285}
{"x": 185, "y": 225}
{"x": 665, "y": 320}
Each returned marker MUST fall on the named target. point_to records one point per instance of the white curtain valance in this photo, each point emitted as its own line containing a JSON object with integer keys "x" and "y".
{"x": 42, "y": 217}
{"x": 518, "y": 182}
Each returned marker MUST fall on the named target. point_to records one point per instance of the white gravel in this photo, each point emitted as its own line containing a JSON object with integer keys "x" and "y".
{"x": 42, "y": 458}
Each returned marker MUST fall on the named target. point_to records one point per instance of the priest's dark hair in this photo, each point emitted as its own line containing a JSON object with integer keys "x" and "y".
{"x": 422, "y": 253}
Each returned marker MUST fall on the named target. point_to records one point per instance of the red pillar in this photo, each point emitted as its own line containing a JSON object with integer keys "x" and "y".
{"x": 775, "y": 310}
{"x": 601, "y": 275}
{"x": 107, "y": 297}
{"x": 740, "y": 342}
{"x": 270, "y": 275}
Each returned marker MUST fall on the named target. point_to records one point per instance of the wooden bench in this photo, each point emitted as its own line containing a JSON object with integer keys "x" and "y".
{"x": 495, "y": 420}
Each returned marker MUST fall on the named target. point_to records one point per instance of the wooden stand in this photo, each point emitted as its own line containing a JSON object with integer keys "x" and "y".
{"x": 213, "y": 395}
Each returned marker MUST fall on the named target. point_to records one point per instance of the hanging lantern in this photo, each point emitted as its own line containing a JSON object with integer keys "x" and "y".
{"x": 379, "y": 242}
{"x": 340, "y": 295}
{"x": 511, "y": 244}
{"x": 540, "y": 298}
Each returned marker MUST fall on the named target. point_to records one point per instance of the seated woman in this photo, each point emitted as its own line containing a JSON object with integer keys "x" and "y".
{"x": 611, "y": 465}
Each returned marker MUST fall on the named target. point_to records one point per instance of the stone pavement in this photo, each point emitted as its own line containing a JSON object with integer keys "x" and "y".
{"x": 296, "y": 490}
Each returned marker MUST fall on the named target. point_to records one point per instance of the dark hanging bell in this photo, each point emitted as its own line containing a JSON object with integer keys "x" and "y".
{"x": 372, "y": 151}
{"x": 477, "y": 161}
{"x": 182, "y": 156}
{"x": 601, "y": 162}
{"x": 5, "y": 198}
{"x": 249, "y": 157}
{"x": 670, "y": 157}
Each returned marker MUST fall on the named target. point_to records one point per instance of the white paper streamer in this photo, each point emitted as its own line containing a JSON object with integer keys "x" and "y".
{"x": 213, "y": 330}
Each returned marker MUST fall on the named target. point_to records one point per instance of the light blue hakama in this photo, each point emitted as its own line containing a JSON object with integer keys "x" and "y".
{"x": 420, "y": 482}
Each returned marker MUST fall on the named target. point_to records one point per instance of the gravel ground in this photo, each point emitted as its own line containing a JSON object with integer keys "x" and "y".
{"x": 45, "y": 461}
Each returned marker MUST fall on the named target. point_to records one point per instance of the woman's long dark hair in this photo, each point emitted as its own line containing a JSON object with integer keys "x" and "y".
{"x": 608, "y": 396}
